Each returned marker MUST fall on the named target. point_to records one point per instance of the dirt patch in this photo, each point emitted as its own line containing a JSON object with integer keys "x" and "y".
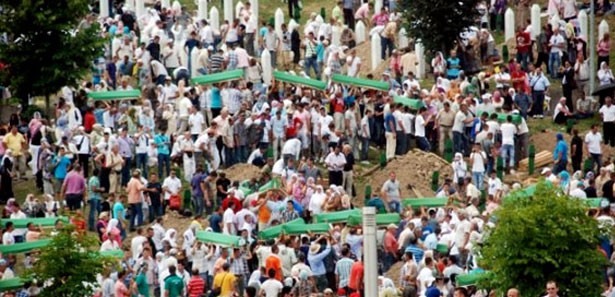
{"x": 413, "y": 169}
{"x": 171, "y": 220}
{"x": 364, "y": 51}
{"x": 241, "y": 172}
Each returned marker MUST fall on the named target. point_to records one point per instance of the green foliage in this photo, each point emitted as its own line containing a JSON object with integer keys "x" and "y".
{"x": 437, "y": 23}
{"x": 69, "y": 265}
{"x": 545, "y": 237}
{"x": 45, "y": 50}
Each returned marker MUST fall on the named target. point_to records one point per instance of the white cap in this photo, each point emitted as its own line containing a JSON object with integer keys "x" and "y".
{"x": 545, "y": 170}
{"x": 107, "y": 130}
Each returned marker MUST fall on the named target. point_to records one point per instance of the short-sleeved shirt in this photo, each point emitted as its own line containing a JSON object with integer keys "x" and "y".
{"x": 117, "y": 208}
{"x": 225, "y": 282}
{"x": 174, "y": 285}
{"x": 392, "y": 189}
{"x": 93, "y": 183}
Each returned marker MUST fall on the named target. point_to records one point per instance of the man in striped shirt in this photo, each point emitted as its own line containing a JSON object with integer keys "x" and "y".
{"x": 342, "y": 269}
{"x": 239, "y": 267}
{"x": 216, "y": 62}
{"x": 196, "y": 285}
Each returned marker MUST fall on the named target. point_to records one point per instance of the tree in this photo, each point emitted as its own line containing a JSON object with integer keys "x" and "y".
{"x": 67, "y": 266}
{"x": 547, "y": 236}
{"x": 438, "y": 23}
{"x": 49, "y": 46}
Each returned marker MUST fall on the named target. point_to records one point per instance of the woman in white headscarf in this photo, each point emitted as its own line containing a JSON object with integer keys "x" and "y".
{"x": 460, "y": 168}
{"x": 605, "y": 75}
{"x": 169, "y": 236}
{"x": 317, "y": 201}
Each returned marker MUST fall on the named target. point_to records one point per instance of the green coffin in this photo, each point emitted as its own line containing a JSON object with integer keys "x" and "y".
{"x": 23, "y": 223}
{"x": 245, "y": 188}
{"x": 218, "y": 77}
{"x": 471, "y": 279}
{"x": 336, "y": 217}
{"x": 270, "y": 185}
{"x": 312, "y": 83}
{"x": 414, "y": 104}
{"x": 115, "y": 95}
{"x": 596, "y": 202}
{"x": 442, "y": 248}
{"x": 113, "y": 254}
{"x": 360, "y": 82}
{"x": 220, "y": 239}
{"x": 424, "y": 202}
{"x": 516, "y": 118}
{"x": 298, "y": 229}
{"x": 275, "y": 231}
{"x": 11, "y": 284}
{"x": 24, "y": 247}
{"x": 381, "y": 219}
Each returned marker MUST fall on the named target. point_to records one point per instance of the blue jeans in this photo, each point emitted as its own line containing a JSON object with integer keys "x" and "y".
{"x": 395, "y": 205}
{"x": 459, "y": 142}
{"x": 384, "y": 44}
{"x": 523, "y": 58}
{"x": 555, "y": 62}
{"x": 166, "y": 160}
{"x": 135, "y": 212}
{"x": 126, "y": 171}
{"x": 94, "y": 211}
{"x": 142, "y": 164}
{"x": 197, "y": 203}
{"x": 241, "y": 153}
{"x": 477, "y": 179}
{"x": 389, "y": 260}
{"x": 311, "y": 62}
{"x": 229, "y": 156}
{"x": 423, "y": 144}
{"x": 508, "y": 152}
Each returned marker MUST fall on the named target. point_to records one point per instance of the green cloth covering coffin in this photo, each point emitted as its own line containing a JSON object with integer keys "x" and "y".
{"x": 245, "y": 188}
{"x": 24, "y": 247}
{"x": 336, "y": 217}
{"x": 298, "y": 229}
{"x": 381, "y": 219}
{"x": 287, "y": 77}
{"x": 472, "y": 278}
{"x": 413, "y": 104}
{"x": 516, "y": 118}
{"x": 361, "y": 82}
{"x": 270, "y": 185}
{"x": 220, "y": 239}
{"x": 23, "y": 223}
{"x": 11, "y": 284}
{"x": 275, "y": 231}
{"x": 424, "y": 202}
{"x": 119, "y": 254}
{"x": 218, "y": 77}
{"x": 115, "y": 95}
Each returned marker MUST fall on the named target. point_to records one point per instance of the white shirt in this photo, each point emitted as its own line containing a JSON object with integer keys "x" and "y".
{"x": 229, "y": 218}
{"x": 462, "y": 228}
{"x": 608, "y": 113}
{"x": 353, "y": 67}
{"x": 578, "y": 193}
{"x": 508, "y": 133}
{"x": 272, "y": 287}
{"x": 478, "y": 163}
{"x": 556, "y": 40}
{"x": 136, "y": 245}
{"x": 196, "y": 122}
{"x": 184, "y": 107}
{"x": 171, "y": 61}
{"x": 293, "y": 147}
{"x": 335, "y": 162}
{"x": 173, "y": 185}
{"x": 495, "y": 184}
{"x": 7, "y": 238}
{"x": 142, "y": 144}
{"x": 419, "y": 126}
{"x": 19, "y": 231}
{"x": 85, "y": 144}
{"x": 458, "y": 123}
{"x": 593, "y": 142}
{"x": 158, "y": 236}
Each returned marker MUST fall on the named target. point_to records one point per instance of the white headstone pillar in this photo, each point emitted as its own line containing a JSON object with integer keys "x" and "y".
{"x": 214, "y": 18}
{"x": 267, "y": 69}
{"x": 535, "y": 20}
{"x": 370, "y": 251}
{"x": 228, "y": 11}
{"x": 360, "y": 31}
{"x": 202, "y": 13}
{"x": 376, "y": 59}
{"x": 509, "y": 24}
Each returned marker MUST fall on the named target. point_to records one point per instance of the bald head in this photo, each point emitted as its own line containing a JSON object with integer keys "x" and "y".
{"x": 512, "y": 293}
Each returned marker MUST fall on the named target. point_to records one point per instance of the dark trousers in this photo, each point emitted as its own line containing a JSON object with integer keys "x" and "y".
{"x": 539, "y": 100}
{"x": 349, "y": 18}
{"x": 384, "y": 44}
{"x": 126, "y": 171}
{"x": 576, "y": 163}
{"x": 596, "y": 162}
{"x": 608, "y": 132}
{"x": 401, "y": 143}
{"x": 84, "y": 161}
{"x": 542, "y": 58}
{"x": 567, "y": 90}
{"x": 136, "y": 212}
{"x": 142, "y": 164}
{"x": 336, "y": 178}
{"x": 164, "y": 160}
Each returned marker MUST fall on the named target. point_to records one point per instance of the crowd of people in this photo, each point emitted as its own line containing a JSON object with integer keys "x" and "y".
{"x": 119, "y": 167}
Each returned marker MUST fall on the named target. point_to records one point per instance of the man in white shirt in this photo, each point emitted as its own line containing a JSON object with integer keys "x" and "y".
{"x": 420, "y": 122}
{"x": 171, "y": 186}
{"x": 365, "y": 134}
{"x": 593, "y": 139}
{"x": 196, "y": 122}
{"x": 228, "y": 219}
{"x": 271, "y": 287}
{"x": 291, "y": 149}
{"x": 460, "y": 141}
{"x": 478, "y": 159}
{"x": 170, "y": 57}
{"x": 136, "y": 244}
{"x": 508, "y": 142}
{"x": 607, "y": 112}
{"x": 19, "y": 234}
{"x": 7, "y": 237}
{"x": 354, "y": 63}
{"x": 557, "y": 44}
{"x": 335, "y": 162}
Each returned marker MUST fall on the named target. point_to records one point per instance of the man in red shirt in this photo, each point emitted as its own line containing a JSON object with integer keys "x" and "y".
{"x": 523, "y": 46}
{"x": 196, "y": 285}
{"x": 518, "y": 78}
{"x": 294, "y": 125}
{"x": 355, "y": 283}
{"x": 89, "y": 119}
{"x": 390, "y": 247}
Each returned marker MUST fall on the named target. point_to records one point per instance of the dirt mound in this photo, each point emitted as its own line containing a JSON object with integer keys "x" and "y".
{"x": 241, "y": 172}
{"x": 545, "y": 140}
{"x": 364, "y": 51}
{"x": 413, "y": 169}
{"x": 171, "y": 220}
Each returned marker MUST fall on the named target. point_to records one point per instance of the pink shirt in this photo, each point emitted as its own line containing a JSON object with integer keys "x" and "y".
{"x": 74, "y": 183}
{"x": 362, "y": 12}
{"x": 380, "y": 19}
{"x": 243, "y": 59}
{"x": 120, "y": 289}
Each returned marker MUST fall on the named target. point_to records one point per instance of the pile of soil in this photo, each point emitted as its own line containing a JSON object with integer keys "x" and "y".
{"x": 413, "y": 169}
{"x": 242, "y": 171}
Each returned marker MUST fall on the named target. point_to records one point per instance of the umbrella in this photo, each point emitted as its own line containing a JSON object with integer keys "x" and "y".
{"x": 604, "y": 90}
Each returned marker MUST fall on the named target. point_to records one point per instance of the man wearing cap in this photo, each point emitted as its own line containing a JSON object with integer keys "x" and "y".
{"x": 390, "y": 247}
{"x": 316, "y": 260}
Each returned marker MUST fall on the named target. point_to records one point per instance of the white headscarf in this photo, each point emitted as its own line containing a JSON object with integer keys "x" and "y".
{"x": 170, "y": 237}
{"x": 112, "y": 224}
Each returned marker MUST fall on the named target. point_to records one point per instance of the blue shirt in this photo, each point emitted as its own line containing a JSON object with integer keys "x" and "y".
{"x": 320, "y": 52}
{"x": 388, "y": 120}
{"x": 117, "y": 208}
{"x": 214, "y": 222}
{"x": 539, "y": 83}
{"x": 61, "y": 167}
{"x": 562, "y": 148}
{"x": 161, "y": 144}
{"x": 317, "y": 262}
{"x": 453, "y": 67}
{"x": 216, "y": 99}
{"x": 195, "y": 183}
